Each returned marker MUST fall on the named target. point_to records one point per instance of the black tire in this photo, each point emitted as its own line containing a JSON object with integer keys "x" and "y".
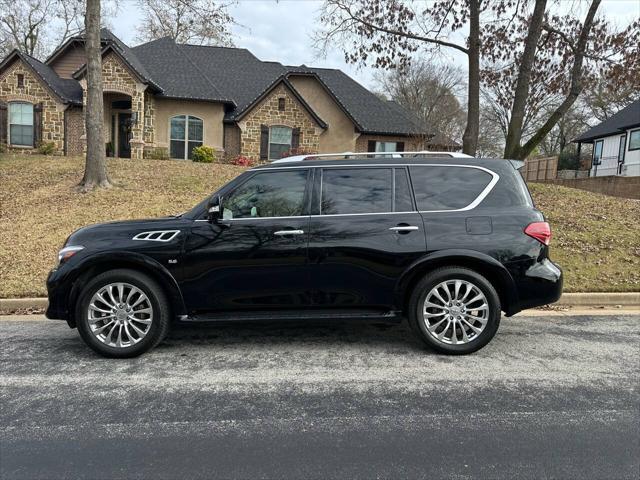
{"x": 424, "y": 286}
{"x": 159, "y": 324}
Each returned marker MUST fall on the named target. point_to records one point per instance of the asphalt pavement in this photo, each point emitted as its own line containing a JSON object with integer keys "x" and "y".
{"x": 549, "y": 397}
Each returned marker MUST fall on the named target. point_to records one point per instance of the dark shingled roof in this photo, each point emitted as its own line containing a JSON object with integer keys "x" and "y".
{"x": 626, "y": 118}
{"x": 68, "y": 90}
{"x": 236, "y": 76}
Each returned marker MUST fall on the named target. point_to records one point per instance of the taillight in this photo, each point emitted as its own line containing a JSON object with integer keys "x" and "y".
{"x": 541, "y": 231}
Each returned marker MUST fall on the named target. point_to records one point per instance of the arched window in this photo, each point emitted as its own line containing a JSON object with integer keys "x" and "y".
{"x": 280, "y": 139}
{"x": 21, "y": 124}
{"x": 185, "y": 134}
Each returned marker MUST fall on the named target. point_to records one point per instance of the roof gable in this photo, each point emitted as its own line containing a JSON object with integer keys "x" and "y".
{"x": 282, "y": 80}
{"x": 626, "y": 118}
{"x": 67, "y": 90}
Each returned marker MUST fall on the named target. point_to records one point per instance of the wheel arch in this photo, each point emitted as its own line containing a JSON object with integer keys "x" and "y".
{"x": 481, "y": 263}
{"x": 104, "y": 261}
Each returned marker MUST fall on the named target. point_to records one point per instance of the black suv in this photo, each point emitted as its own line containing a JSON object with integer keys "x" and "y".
{"x": 448, "y": 243}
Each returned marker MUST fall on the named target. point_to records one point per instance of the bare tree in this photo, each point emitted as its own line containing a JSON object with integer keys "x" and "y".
{"x": 388, "y": 33}
{"x": 553, "y": 56}
{"x": 95, "y": 172}
{"x": 605, "y": 99}
{"x": 429, "y": 90}
{"x": 204, "y": 22}
{"x": 37, "y": 27}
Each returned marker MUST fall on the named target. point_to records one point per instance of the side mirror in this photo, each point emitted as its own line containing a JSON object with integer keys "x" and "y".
{"x": 214, "y": 209}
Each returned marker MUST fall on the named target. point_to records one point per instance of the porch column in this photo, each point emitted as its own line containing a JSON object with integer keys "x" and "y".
{"x": 137, "y": 129}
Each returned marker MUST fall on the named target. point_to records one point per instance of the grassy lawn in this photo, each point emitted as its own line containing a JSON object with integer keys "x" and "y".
{"x": 596, "y": 238}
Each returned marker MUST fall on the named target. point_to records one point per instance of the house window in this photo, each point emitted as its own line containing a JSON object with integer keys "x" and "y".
{"x": 634, "y": 140}
{"x": 21, "y": 124}
{"x": 385, "y": 147}
{"x": 186, "y": 133}
{"x": 20, "y": 80}
{"x": 279, "y": 141}
{"x": 281, "y": 104}
{"x": 623, "y": 143}
{"x": 597, "y": 152}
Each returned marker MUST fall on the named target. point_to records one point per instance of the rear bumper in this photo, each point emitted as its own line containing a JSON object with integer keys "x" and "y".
{"x": 541, "y": 284}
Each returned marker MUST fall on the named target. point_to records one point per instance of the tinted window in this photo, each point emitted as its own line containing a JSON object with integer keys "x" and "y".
{"x": 447, "y": 188}
{"x": 356, "y": 190}
{"x": 403, "y": 202}
{"x": 268, "y": 194}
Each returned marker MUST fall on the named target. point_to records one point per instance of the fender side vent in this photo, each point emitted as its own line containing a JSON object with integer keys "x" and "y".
{"x": 157, "y": 235}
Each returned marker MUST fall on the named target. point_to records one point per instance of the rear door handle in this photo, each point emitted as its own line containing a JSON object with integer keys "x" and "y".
{"x": 406, "y": 228}
{"x": 289, "y": 232}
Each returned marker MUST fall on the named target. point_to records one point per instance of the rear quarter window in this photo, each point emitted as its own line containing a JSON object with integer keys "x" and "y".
{"x": 447, "y": 188}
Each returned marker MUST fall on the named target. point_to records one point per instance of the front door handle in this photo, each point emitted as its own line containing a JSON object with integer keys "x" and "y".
{"x": 404, "y": 228}
{"x": 289, "y": 232}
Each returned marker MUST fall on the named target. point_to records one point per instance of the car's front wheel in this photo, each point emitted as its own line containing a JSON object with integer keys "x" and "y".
{"x": 455, "y": 310}
{"x": 122, "y": 313}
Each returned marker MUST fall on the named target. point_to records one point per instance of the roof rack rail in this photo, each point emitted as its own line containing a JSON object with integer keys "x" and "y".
{"x": 351, "y": 155}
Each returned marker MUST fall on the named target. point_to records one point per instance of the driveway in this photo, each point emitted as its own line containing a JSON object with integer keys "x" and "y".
{"x": 550, "y": 397}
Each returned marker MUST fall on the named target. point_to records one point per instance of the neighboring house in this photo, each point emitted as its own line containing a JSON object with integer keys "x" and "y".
{"x": 167, "y": 98}
{"x": 616, "y": 144}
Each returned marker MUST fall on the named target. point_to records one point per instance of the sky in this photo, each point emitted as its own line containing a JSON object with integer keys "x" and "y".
{"x": 281, "y": 31}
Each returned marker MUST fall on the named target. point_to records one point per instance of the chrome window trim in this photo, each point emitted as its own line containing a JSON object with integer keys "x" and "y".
{"x": 492, "y": 183}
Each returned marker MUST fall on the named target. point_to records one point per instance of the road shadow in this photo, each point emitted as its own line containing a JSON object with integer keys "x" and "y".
{"x": 289, "y": 333}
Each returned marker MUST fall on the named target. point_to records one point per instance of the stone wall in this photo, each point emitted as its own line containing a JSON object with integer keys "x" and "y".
{"x": 74, "y": 129}
{"x": 118, "y": 78}
{"x": 35, "y": 92}
{"x": 411, "y": 144}
{"x": 267, "y": 113}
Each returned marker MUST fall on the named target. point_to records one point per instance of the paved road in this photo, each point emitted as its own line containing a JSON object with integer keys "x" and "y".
{"x": 550, "y": 397}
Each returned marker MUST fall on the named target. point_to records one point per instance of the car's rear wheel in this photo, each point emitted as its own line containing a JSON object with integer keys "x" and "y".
{"x": 122, "y": 313}
{"x": 455, "y": 310}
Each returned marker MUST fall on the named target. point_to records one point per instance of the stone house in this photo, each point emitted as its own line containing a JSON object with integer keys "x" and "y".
{"x": 163, "y": 99}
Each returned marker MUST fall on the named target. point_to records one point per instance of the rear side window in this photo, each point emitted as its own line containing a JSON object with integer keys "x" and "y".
{"x": 447, "y": 188}
{"x": 356, "y": 190}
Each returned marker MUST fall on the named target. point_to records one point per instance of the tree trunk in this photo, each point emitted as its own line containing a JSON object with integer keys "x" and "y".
{"x": 574, "y": 90}
{"x": 470, "y": 136}
{"x": 521, "y": 93}
{"x": 95, "y": 171}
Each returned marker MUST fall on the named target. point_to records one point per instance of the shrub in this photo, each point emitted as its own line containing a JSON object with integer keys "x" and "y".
{"x": 46, "y": 148}
{"x": 242, "y": 161}
{"x": 204, "y": 154}
{"x": 568, "y": 160}
{"x": 156, "y": 153}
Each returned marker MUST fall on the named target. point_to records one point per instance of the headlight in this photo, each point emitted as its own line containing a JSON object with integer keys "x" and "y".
{"x": 68, "y": 252}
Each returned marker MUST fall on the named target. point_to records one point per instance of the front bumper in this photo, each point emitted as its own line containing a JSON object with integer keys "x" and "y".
{"x": 58, "y": 293}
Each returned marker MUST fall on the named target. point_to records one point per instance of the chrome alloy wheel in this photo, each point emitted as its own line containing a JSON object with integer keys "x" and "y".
{"x": 455, "y": 312}
{"x": 120, "y": 315}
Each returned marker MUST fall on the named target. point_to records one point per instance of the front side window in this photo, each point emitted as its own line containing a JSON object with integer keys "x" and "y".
{"x": 279, "y": 141}
{"x": 634, "y": 140}
{"x": 356, "y": 190}
{"x": 447, "y": 188}
{"x": 597, "y": 152}
{"x": 268, "y": 194}
{"x": 21, "y": 124}
{"x": 186, "y": 133}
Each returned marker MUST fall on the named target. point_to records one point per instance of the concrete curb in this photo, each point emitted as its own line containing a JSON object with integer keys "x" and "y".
{"x": 630, "y": 299}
